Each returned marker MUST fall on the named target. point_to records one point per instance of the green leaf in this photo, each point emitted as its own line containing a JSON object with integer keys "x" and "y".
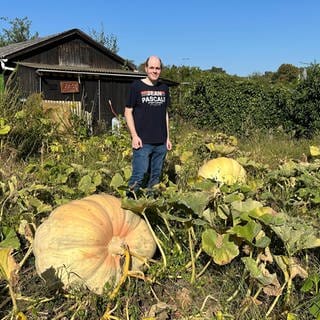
{"x": 86, "y": 185}
{"x": 256, "y": 272}
{"x": 233, "y": 197}
{"x": 4, "y": 129}
{"x": 140, "y": 204}
{"x": 240, "y": 210}
{"x": 196, "y": 201}
{"x": 10, "y": 239}
{"x": 315, "y": 309}
{"x": 97, "y": 179}
{"x": 209, "y": 215}
{"x": 311, "y": 282}
{"x": 314, "y": 151}
{"x": 219, "y": 247}
{"x": 248, "y": 232}
{"x": 267, "y": 215}
{"x": 246, "y": 206}
{"x": 39, "y": 205}
{"x": 263, "y": 242}
{"x": 116, "y": 181}
{"x": 297, "y": 235}
{"x": 291, "y": 316}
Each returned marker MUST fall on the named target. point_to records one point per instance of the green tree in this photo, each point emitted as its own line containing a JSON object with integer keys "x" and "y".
{"x": 18, "y": 30}
{"x": 217, "y": 70}
{"x": 287, "y": 73}
{"x": 305, "y": 111}
{"x": 110, "y": 41}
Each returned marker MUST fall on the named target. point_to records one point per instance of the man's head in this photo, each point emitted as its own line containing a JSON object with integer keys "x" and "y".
{"x": 153, "y": 67}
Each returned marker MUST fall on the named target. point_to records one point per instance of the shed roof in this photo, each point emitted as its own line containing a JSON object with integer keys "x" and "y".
{"x": 13, "y": 51}
{"x": 83, "y": 70}
{"x": 43, "y": 68}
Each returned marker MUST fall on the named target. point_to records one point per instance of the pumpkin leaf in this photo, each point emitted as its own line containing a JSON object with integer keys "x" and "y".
{"x": 262, "y": 242}
{"x": 8, "y": 265}
{"x": 21, "y": 316}
{"x": 179, "y": 219}
{"x": 257, "y": 272}
{"x": 4, "y": 129}
{"x": 314, "y": 309}
{"x": 290, "y": 267}
{"x": 222, "y": 149}
{"x": 232, "y": 197}
{"x": 96, "y": 179}
{"x": 314, "y": 151}
{"x": 186, "y": 155}
{"x": 297, "y": 235}
{"x": 10, "y": 239}
{"x": 116, "y": 181}
{"x": 39, "y": 205}
{"x": 248, "y": 232}
{"x": 88, "y": 184}
{"x": 267, "y": 215}
{"x": 209, "y": 215}
{"x": 126, "y": 172}
{"x": 311, "y": 282}
{"x": 245, "y": 206}
{"x": 140, "y": 204}
{"x": 196, "y": 201}
{"x": 219, "y": 246}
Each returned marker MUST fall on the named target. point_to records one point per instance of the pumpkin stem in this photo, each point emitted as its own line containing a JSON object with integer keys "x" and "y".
{"x": 156, "y": 239}
{"x": 125, "y": 273}
{"x": 116, "y": 245}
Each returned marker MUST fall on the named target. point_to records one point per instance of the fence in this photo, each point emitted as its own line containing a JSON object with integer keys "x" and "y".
{"x": 60, "y": 112}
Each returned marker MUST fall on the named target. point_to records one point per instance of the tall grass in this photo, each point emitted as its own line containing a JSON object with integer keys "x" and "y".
{"x": 273, "y": 150}
{"x": 267, "y": 148}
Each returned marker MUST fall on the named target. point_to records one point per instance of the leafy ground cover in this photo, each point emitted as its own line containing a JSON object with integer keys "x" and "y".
{"x": 242, "y": 251}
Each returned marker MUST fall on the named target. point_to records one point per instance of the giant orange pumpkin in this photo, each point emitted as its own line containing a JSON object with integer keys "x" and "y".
{"x": 222, "y": 169}
{"x": 82, "y": 242}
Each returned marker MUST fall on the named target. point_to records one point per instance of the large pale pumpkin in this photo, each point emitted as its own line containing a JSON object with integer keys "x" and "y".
{"x": 82, "y": 242}
{"x": 222, "y": 169}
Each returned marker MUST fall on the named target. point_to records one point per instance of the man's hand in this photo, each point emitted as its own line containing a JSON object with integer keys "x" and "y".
{"x": 169, "y": 145}
{"x": 136, "y": 142}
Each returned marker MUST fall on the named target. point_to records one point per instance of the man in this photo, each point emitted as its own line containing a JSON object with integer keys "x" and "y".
{"x": 148, "y": 122}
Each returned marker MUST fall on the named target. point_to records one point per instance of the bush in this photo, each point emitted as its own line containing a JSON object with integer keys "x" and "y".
{"x": 31, "y": 129}
{"x": 234, "y": 105}
{"x": 304, "y": 115}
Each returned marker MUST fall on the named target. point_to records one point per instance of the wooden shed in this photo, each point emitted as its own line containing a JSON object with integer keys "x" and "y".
{"x": 71, "y": 66}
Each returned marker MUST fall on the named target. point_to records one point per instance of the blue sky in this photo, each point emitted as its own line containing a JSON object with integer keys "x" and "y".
{"x": 241, "y": 36}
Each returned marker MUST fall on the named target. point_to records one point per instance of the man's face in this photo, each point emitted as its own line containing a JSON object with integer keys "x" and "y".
{"x": 153, "y": 69}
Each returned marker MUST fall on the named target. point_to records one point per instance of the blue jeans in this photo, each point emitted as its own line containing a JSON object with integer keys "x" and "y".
{"x": 147, "y": 160}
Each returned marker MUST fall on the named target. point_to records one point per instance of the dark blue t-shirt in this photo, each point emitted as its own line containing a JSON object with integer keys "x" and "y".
{"x": 149, "y": 105}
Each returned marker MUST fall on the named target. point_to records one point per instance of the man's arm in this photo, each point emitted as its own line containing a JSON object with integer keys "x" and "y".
{"x": 136, "y": 141}
{"x": 169, "y": 144}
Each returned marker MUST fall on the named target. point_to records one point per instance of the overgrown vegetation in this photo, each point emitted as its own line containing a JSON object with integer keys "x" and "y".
{"x": 245, "y": 251}
{"x": 247, "y": 106}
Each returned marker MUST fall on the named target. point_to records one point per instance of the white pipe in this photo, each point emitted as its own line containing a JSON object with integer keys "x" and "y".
{"x": 3, "y": 66}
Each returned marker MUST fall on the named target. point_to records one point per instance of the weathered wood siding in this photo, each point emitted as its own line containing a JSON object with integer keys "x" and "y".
{"x": 28, "y": 81}
{"x": 94, "y": 94}
{"x": 74, "y": 52}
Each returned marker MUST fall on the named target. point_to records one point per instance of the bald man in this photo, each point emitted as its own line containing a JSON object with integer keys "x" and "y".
{"x": 148, "y": 122}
